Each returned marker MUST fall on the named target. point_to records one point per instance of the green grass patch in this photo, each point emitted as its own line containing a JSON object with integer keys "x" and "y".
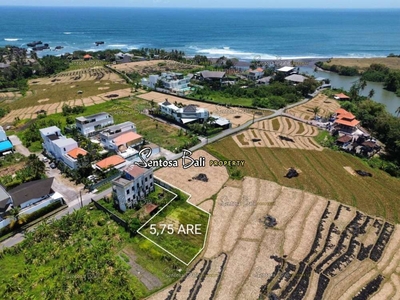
{"x": 217, "y": 97}
{"x": 170, "y": 229}
{"x": 322, "y": 136}
{"x": 104, "y": 187}
{"x": 322, "y": 173}
{"x": 275, "y": 124}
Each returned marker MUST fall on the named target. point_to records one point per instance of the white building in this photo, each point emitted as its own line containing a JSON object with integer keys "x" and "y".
{"x": 134, "y": 185}
{"x": 123, "y": 57}
{"x": 173, "y": 82}
{"x": 110, "y": 133}
{"x": 184, "y": 115}
{"x": 61, "y": 148}
{"x": 255, "y": 74}
{"x": 89, "y": 125}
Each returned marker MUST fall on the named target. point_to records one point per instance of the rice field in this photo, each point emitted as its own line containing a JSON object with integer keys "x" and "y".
{"x": 305, "y": 111}
{"x": 321, "y": 173}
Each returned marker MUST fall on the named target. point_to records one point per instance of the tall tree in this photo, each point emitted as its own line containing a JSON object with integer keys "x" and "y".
{"x": 371, "y": 93}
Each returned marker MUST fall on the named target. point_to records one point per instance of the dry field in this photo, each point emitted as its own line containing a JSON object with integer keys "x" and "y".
{"x": 364, "y": 63}
{"x": 96, "y": 74}
{"x": 319, "y": 249}
{"x": 236, "y": 116}
{"x": 199, "y": 190}
{"x": 288, "y": 133}
{"x": 52, "y": 108}
{"x": 7, "y": 97}
{"x": 305, "y": 111}
{"x": 146, "y": 68}
{"x": 322, "y": 173}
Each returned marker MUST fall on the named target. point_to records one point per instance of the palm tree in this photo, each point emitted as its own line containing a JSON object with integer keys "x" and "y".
{"x": 398, "y": 111}
{"x": 316, "y": 110}
{"x": 363, "y": 84}
{"x": 371, "y": 93}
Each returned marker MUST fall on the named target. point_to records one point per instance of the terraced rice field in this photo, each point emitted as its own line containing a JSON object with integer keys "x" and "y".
{"x": 305, "y": 111}
{"x": 319, "y": 249}
{"x": 279, "y": 132}
{"x": 322, "y": 173}
{"x": 96, "y": 74}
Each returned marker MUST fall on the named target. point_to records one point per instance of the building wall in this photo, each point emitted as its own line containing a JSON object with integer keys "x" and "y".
{"x": 42, "y": 204}
{"x": 61, "y": 151}
{"x": 3, "y": 135}
{"x": 100, "y": 122}
{"x": 130, "y": 194}
{"x": 107, "y": 140}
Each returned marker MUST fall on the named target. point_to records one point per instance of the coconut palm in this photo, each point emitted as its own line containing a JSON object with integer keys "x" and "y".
{"x": 316, "y": 110}
{"x": 371, "y": 93}
{"x": 398, "y": 111}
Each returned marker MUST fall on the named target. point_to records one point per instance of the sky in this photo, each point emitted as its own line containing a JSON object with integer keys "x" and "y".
{"x": 211, "y": 3}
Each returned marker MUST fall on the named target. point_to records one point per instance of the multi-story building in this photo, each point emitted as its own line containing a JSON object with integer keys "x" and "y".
{"x": 61, "y": 148}
{"x": 187, "y": 114}
{"x": 134, "y": 185}
{"x": 173, "y": 82}
{"x": 89, "y": 125}
{"x": 110, "y": 133}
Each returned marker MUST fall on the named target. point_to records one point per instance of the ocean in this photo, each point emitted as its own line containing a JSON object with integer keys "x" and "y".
{"x": 240, "y": 33}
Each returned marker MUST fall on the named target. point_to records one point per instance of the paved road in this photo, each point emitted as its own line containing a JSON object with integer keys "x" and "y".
{"x": 18, "y": 145}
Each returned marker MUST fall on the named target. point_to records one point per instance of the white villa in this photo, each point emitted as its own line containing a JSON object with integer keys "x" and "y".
{"x": 184, "y": 115}
{"x": 61, "y": 148}
{"x": 108, "y": 135}
{"x": 134, "y": 185}
{"x": 174, "y": 82}
{"x": 89, "y": 125}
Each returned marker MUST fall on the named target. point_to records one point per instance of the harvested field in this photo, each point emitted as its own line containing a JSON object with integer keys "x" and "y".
{"x": 237, "y": 116}
{"x": 199, "y": 190}
{"x": 52, "y": 108}
{"x": 364, "y": 63}
{"x": 305, "y": 256}
{"x": 77, "y": 76}
{"x": 279, "y": 132}
{"x": 145, "y": 68}
{"x": 304, "y": 111}
{"x": 322, "y": 174}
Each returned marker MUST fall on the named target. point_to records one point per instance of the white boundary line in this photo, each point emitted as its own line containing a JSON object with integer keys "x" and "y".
{"x": 187, "y": 201}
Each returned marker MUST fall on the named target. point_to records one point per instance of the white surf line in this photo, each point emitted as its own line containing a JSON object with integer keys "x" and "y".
{"x": 187, "y": 201}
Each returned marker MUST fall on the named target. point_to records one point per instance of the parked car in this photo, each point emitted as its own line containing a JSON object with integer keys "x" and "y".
{"x": 92, "y": 178}
{"x": 53, "y": 165}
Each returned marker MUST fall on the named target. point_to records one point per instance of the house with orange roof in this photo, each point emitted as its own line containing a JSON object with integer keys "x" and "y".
{"x": 341, "y": 96}
{"x": 345, "y": 121}
{"x": 255, "y": 74}
{"x": 114, "y": 161}
{"x": 134, "y": 184}
{"x": 112, "y": 132}
{"x": 87, "y": 57}
{"x": 125, "y": 144}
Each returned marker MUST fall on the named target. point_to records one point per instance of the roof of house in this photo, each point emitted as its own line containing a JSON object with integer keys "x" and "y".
{"x": 75, "y": 152}
{"x": 87, "y": 56}
{"x": 49, "y": 130}
{"x": 265, "y": 79}
{"x": 212, "y": 74}
{"x": 346, "y": 115}
{"x": 285, "y": 69}
{"x": 150, "y": 207}
{"x": 64, "y": 142}
{"x": 257, "y": 70}
{"x": 369, "y": 144}
{"x": 135, "y": 171}
{"x": 5, "y": 145}
{"x": 344, "y": 139}
{"x": 342, "y": 96}
{"x": 295, "y": 78}
{"x": 166, "y": 102}
{"x": 189, "y": 108}
{"x": 31, "y": 190}
{"x": 110, "y": 161}
{"x": 351, "y": 123}
{"x": 84, "y": 118}
{"x": 4, "y": 196}
{"x": 126, "y": 137}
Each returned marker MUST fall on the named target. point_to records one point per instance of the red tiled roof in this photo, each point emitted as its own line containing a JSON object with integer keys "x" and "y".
{"x": 75, "y": 152}
{"x": 348, "y": 116}
{"x": 342, "y": 96}
{"x": 344, "y": 139}
{"x": 111, "y": 161}
{"x": 351, "y": 123}
{"x": 135, "y": 171}
{"x": 87, "y": 56}
{"x": 341, "y": 111}
{"x": 126, "y": 138}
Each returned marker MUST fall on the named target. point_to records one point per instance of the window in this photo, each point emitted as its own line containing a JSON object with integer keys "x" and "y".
{"x": 129, "y": 199}
{"x": 145, "y": 179}
{"x": 133, "y": 188}
{"x": 127, "y": 191}
{"x": 151, "y": 176}
{"x": 65, "y": 149}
